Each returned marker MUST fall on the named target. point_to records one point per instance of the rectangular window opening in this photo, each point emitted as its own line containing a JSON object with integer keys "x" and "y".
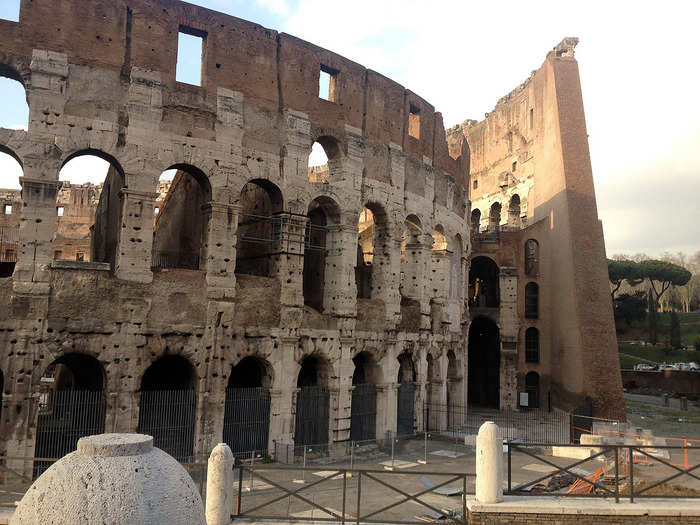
{"x": 414, "y": 122}
{"x": 515, "y": 165}
{"x": 59, "y": 211}
{"x": 190, "y": 56}
{"x": 9, "y": 10}
{"x": 80, "y": 256}
{"x": 8, "y": 209}
{"x": 475, "y": 184}
{"x": 531, "y": 117}
{"x": 155, "y": 211}
{"x": 327, "y": 83}
{"x": 57, "y": 255}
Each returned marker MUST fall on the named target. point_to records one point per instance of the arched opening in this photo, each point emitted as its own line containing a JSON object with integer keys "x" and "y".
{"x": 363, "y": 409}
{"x": 168, "y": 405}
{"x": 484, "y": 363}
{"x": 476, "y": 220}
{"x": 10, "y": 210}
{"x": 411, "y": 268}
{"x": 180, "y": 229}
{"x": 514, "y": 211}
{"x": 324, "y": 153}
{"x": 483, "y": 283}
{"x": 71, "y": 405}
{"x": 532, "y": 301}
{"x": 532, "y": 345}
{"x": 532, "y": 387}
{"x": 432, "y": 394}
{"x": 247, "y": 408}
{"x": 15, "y": 109}
{"x": 365, "y": 254}
{"x": 532, "y": 257}
{"x": 313, "y": 403}
{"x": 259, "y": 228}
{"x": 88, "y": 208}
{"x": 405, "y": 402}
{"x": 320, "y": 235}
{"x": 495, "y": 217}
{"x": 455, "y": 408}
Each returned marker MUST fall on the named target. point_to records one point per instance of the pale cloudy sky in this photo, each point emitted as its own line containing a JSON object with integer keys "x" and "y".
{"x": 639, "y": 73}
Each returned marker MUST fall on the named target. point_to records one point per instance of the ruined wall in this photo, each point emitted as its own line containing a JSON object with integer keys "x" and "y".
{"x": 100, "y": 78}
{"x": 534, "y": 144}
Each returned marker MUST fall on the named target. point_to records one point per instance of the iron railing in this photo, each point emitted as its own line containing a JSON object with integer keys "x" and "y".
{"x": 614, "y": 477}
{"x": 338, "y": 494}
{"x": 169, "y": 259}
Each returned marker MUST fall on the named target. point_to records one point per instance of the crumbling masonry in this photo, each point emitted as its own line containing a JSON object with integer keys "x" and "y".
{"x": 274, "y": 305}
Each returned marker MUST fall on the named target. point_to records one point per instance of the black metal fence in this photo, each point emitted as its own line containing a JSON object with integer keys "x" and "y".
{"x": 184, "y": 260}
{"x": 64, "y": 417}
{"x": 343, "y": 495}
{"x": 247, "y": 421}
{"x": 169, "y": 416}
{"x": 614, "y": 471}
{"x": 405, "y": 414}
{"x": 363, "y": 412}
{"x": 312, "y": 416}
{"x": 531, "y": 425}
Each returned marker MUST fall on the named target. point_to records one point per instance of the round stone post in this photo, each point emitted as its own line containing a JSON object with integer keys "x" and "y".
{"x": 489, "y": 464}
{"x": 220, "y": 486}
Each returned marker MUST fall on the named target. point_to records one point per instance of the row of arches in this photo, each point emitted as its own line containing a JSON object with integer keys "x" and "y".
{"x": 495, "y": 217}
{"x": 73, "y": 403}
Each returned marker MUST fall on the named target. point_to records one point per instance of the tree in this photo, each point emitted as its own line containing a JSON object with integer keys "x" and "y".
{"x": 665, "y": 274}
{"x": 630, "y": 307}
{"x": 675, "y": 331}
{"x": 651, "y": 309}
{"x": 623, "y": 270}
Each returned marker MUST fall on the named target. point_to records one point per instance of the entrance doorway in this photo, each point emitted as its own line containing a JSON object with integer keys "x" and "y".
{"x": 484, "y": 363}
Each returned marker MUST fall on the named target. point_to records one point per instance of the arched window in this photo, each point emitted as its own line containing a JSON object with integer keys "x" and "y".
{"x": 476, "y": 220}
{"x": 324, "y": 155}
{"x": 532, "y": 257}
{"x": 15, "y": 110}
{"x": 10, "y": 209}
{"x": 484, "y": 291}
{"x": 532, "y": 345}
{"x": 168, "y": 405}
{"x": 514, "y": 211}
{"x": 319, "y": 240}
{"x": 259, "y": 224}
{"x": 88, "y": 208}
{"x": 495, "y": 217}
{"x": 532, "y": 387}
{"x": 181, "y": 224}
{"x": 531, "y": 301}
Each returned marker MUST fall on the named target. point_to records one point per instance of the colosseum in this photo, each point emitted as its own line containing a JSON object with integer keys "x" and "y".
{"x": 419, "y": 274}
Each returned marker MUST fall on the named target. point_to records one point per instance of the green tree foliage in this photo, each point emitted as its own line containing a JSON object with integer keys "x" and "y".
{"x": 675, "y": 331}
{"x": 620, "y": 271}
{"x": 662, "y": 275}
{"x": 630, "y": 308}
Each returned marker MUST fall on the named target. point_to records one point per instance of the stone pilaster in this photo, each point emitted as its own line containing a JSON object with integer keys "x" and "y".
{"x": 135, "y": 243}
{"x": 220, "y": 248}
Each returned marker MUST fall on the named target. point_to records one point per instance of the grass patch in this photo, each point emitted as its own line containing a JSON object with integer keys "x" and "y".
{"x": 643, "y": 354}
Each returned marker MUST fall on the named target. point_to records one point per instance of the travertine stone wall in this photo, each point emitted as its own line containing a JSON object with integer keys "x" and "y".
{"x": 105, "y": 84}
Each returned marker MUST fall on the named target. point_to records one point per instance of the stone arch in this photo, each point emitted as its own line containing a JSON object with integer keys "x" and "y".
{"x": 247, "y": 407}
{"x": 320, "y": 237}
{"x": 411, "y": 258}
{"x": 475, "y": 221}
{"x": 439, "y": 238}
{"x": 180, "y": 227}
{"x": 167, "y": 407}
{"x": 10, "y": 210}
{"x": 484, "y": 283}
{"x": 311, "y": 426}
{"x": 405, "y": 399}
{"x": 455, "y": 391}
{"x": 495, "y": 217}
{"x": 363, "y": 409}
{"x": 532, "y": 345}
{"x": 16, "y": 103}
{"x": 72, "y": 405}
{"x": 373, "y": 250}
{"x": 514, "y": 211}
{"x": 484, "y": 349}
{"x": 261, "y": 208}
{"x": 532, "y": 387}
{"x": 532, "y": 257}
{"x": 532, "y": 300}
{"x": 324, "y": 159}
{"x": 78, "y": 201}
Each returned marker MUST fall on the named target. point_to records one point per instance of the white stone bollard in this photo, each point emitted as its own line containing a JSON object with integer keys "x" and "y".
{"x": 489, "y": 464}
{"x": 219, "y": 505}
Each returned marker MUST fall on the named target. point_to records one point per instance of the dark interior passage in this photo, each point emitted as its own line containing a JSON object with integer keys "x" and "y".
{"x": 484, "y": 363}
{"x": 483, "y": 283}
{"x": 363, "y": 411}
{"x": 313, "y": 404}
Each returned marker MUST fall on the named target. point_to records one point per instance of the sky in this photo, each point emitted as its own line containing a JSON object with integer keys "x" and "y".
{"x": 639, "y": 75}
